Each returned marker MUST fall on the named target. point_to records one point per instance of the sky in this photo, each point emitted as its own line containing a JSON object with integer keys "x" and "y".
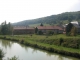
{"x": 19, "y": 10}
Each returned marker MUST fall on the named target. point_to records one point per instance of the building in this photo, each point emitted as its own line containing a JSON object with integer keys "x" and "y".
{"x": 55, "y": 29}
{"x": 18, "y": 30}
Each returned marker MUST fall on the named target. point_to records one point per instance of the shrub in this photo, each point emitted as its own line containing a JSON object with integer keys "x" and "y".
{"x": 61, "y": 41}
{"x": 74, "y": 45}
{"x": 50, "y": 33}
{"x": 65, "y": 44}
{"x": 40, "y": 32}
{"x": 56, "y": 42}
{"x": 22, "y": 41}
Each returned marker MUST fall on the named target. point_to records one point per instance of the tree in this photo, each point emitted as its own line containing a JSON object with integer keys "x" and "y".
{"x": 73, "y": 31}
{"x": 41, "y": 24}
{"x": 6, "y": 29}
{"x": 10, "y": 28}
{"x": 69, "y": 18}
{"x": 68, "y": 28}
{"x": 36, "y": 30}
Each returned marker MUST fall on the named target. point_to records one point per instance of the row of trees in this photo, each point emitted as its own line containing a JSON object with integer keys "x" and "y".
{"x": 6, "y": 29}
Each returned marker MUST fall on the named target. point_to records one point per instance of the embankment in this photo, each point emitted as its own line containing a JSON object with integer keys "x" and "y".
{"x": 48, "y": 47}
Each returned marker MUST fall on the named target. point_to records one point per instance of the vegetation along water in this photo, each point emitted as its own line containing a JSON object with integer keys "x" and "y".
{"x": 29, "y": 53}
{"x": 54, "y": 43}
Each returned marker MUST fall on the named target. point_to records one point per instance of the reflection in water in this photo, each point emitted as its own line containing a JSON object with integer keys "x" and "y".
{"x": 5, "y": 43}
{"x": 49, "y": 54}
{"x": 29, "y": 53}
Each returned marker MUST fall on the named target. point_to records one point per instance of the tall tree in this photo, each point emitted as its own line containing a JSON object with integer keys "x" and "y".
{"x": 36, "y": 30}
{"x": 68, "y": 28}
{"x": 6, "y": 28}
{"x": 10, "y": 28}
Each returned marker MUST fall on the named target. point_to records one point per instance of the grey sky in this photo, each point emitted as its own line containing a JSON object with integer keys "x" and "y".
{"x": 18, "y": 10}
{"x": 75, "y": 7}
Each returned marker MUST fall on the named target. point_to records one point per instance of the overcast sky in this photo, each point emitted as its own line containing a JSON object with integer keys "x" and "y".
{"x": 18, "y": 10}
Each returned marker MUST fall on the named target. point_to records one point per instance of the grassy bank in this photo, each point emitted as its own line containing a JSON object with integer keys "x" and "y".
{"x": 57, "y": 43}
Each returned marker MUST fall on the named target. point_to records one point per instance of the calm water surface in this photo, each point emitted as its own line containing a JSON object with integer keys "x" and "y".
{"x": 28, "y": 53}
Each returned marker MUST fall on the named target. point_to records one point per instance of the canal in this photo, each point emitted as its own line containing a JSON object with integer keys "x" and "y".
{"x": 29, "y": 53}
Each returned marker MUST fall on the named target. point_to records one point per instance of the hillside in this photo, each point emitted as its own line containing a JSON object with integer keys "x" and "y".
{"x": 51, "y": 20}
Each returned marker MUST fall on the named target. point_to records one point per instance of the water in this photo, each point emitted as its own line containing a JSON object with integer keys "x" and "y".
{"x": 28, "y": 53}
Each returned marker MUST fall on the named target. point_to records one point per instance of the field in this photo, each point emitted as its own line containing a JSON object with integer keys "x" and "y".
{"x": 67, "y": 45}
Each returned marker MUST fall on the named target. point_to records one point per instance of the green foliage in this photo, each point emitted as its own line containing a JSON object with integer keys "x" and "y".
{"x": 61, "y": 41}
{"x": 10, "y": 28}
{"x": 67, "y": 45}
{"x": 49, "y": 33}
{"x": 73, "y": 31}
{"x": 68, "y": 28}
{"x": 40, "y": 32}
{"x": 36, "y": 30}
{"x": 1, "y": 54}
{"x": 6, "y": 29}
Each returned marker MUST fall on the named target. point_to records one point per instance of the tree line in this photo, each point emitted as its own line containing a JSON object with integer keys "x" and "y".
{"x": 7, "y": 29}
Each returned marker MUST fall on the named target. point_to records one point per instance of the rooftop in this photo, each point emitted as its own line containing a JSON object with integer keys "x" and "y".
{"x": 22, "y": 27}
{"x": 49, "y": 27}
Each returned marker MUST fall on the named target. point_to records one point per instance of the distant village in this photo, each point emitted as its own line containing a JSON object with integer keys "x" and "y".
{"x": 18, "y": 30}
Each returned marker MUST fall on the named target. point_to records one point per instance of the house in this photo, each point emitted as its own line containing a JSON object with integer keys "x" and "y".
{"x": 55, "y": 29}
{"x": 23, "y": 30}
{"x": 19, "y": 30}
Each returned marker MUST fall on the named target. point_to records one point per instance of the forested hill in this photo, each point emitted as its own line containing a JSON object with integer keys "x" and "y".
{"x": 53, "y": 19}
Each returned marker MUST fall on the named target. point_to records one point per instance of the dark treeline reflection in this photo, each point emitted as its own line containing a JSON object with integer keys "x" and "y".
{"x": 49, "y": 54}
{"x": 6, "y": 43}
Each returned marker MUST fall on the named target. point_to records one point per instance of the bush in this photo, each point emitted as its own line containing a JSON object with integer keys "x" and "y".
{"x": 56, "y": 42}
{"x": 22, "y": 41}
{"x": 74, "y": 45}
{"x": 65, "y": 44}
{"x": 50, "y": 33}
{"x": 40, "y": 32}
{"x": 61, "y": 41}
